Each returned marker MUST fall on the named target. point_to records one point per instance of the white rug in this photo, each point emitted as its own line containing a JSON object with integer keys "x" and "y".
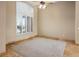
{"x": 40, "y": 47}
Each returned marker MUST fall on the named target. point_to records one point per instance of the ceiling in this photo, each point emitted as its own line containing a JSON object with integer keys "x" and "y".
{"x": 36, "y": 3}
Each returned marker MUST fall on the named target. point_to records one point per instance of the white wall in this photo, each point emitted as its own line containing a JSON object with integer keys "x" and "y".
{"x": 11, "y": 23}
{"x": 58, "y": 20}
{"x": 77, "y": 23}
{"x": 2, "y": 26}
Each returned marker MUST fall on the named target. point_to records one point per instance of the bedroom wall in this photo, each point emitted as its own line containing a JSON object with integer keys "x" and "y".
{"x": 11, "y": 21}
{"x": 11, "y": 24}
{"x": 58, "y": 20}
{"x": 77, "y": 23}
{"x": 2, "y": 26}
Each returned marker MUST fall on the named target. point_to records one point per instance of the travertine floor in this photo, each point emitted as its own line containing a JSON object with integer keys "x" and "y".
{"x": 71, "y": 50}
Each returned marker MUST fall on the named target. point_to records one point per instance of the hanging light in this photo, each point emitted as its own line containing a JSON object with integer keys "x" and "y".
{"x": 42, "y": 5}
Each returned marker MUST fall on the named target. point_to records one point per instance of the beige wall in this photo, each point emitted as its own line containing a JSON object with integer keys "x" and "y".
{"x": 2, "y": 26}
{"x": 11, "y": 24}
{"x": 8, "y": 24}
{"x": 77, "y": 23}
{"x": 11, "y": 21}
{"x": 58, "y": 20}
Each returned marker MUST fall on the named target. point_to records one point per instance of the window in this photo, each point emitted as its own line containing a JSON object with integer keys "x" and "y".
{"x": 24, "y": 25}
{"x": 24, "y": 18}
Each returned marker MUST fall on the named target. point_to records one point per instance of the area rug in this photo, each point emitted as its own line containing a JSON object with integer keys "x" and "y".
{"x": 40, "y": 47}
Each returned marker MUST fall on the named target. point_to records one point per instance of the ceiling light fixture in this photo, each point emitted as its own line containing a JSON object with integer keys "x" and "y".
{"x": 42, "y": 5}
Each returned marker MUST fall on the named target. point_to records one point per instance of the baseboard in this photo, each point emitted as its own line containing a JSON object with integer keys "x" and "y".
{"x": 16, "y": 42}
{"x": 57, "y": 38}
{"x": 48, "y": 37}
